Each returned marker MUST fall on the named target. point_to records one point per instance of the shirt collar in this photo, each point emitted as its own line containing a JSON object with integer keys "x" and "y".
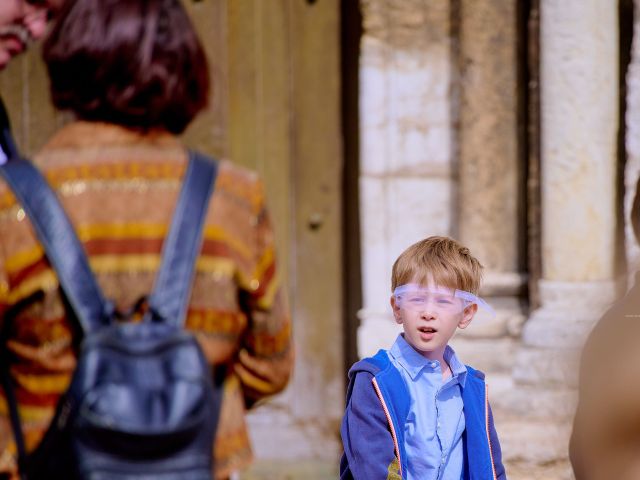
{"x": 458, "y": 369}
{"x": 413, "y": 362}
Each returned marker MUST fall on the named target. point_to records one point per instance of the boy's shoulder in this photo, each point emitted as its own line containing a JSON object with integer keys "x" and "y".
{"x": 475, "y": 373}
{"x": 380, "y": 369}
{"x": 384, "y": 379}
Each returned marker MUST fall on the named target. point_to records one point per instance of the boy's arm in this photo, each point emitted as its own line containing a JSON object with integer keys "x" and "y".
{"x": 496, "y": 451}
{"x": 368, "y": 445}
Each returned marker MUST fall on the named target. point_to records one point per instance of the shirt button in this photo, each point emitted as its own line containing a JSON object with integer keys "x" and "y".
{"x": 444, "y": 459}
{"x": 433, "y": 364}
{"x": 438, "y": 424}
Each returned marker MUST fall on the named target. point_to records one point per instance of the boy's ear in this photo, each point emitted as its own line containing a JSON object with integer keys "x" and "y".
{"x": 467, "y": 315}
{"x": 396, "y": 310}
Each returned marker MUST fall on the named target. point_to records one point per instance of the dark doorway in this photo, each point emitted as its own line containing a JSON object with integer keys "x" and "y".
{"x": 351, "y": 32}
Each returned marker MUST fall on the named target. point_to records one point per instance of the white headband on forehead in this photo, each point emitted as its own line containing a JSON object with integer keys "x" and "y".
{"x": 468, "y": 297}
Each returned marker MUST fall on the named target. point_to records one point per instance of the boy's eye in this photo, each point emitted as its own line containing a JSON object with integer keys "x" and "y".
{"x": 417, "y": 299}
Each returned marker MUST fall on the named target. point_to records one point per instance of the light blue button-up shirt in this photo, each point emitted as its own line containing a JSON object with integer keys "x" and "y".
{"x": 434, "y": 427}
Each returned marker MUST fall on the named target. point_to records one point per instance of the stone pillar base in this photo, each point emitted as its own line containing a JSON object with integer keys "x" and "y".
{"x": 305, "y": 439}
{"x": 503, "y": 291}
{"x": 554, "y": 334}
{"x": 545, "y": 371}
{"x": 552, "y": 368}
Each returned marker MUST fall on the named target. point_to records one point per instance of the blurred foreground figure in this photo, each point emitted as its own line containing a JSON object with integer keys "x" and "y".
{"x": 605, "y": 442}
{"x": 21, "y": 21}
{"x": 134, "y": 74}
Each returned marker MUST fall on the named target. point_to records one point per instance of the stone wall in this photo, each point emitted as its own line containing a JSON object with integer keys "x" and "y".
{"x": 490, "y": 163}
{"x": 442, "y": 153}
{"x": 407, "y": 189}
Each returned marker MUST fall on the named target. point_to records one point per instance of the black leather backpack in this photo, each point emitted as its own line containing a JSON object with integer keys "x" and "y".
{"x": 142, "y": 403}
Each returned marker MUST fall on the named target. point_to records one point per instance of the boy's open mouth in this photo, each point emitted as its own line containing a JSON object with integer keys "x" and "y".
{"x": 427, "y": 330}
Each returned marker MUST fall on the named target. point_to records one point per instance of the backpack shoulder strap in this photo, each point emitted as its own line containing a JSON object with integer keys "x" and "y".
{"x": 60, "y": 242}
{"x": 6, "y": 140}
{"x": 172, "y": 289}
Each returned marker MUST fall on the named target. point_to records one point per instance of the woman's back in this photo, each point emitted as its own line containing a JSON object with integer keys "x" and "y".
{"x": 119, "y": 188}
{"x": 135, "y": 73}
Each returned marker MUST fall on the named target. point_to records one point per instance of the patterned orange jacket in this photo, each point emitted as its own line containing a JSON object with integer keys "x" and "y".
{"x": 119, "y": 188}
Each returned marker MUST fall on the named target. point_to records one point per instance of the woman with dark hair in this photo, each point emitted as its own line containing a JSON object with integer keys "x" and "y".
{"x": 134, "y": 74}
{"x": 137, "y": 64}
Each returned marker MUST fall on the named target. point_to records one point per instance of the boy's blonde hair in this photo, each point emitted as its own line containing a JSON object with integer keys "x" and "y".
{"x": 441, "y": 260}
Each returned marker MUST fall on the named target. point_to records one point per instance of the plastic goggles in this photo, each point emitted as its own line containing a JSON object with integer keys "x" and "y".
{"x": 417, "y": 298}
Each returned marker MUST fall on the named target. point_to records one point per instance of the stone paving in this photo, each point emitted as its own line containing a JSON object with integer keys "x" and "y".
{"x": 290, "y": 470}
{"x": 316, "y": 470}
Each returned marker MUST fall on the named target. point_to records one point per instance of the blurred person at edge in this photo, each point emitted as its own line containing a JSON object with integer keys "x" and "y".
{"x": 134, "y": 74}
{"x": 605, "y": 442}
{"x": 21, "y": 21}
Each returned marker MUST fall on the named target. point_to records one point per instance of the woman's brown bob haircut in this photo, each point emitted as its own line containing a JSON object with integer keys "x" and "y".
{"x": 136, "y": 63}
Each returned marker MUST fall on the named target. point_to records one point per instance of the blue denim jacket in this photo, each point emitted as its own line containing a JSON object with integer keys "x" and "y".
{"x": 373, "y": 425}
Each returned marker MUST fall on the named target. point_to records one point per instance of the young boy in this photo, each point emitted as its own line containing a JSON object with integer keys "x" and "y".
{"x": 415, "y": 411}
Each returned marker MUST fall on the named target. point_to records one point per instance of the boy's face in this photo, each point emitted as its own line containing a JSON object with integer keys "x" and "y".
{"x": 429, "y": 316}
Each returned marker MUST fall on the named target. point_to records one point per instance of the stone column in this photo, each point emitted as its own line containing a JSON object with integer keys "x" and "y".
{"x": 632, "y": 168}
{"x": 491, "y": 189}
{"x": 579, "y": 82}
{"x": 579, "y": 113}
{"x": 406, "y": 138}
